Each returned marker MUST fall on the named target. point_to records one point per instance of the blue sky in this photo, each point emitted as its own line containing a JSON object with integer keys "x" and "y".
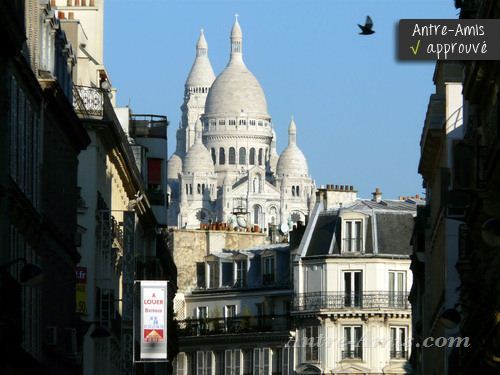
{"x": 359, "y": 111}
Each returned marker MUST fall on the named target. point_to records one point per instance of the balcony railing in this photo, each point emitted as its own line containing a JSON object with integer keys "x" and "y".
{"x": 88, "y": 101}
{"x": 352, "y": 244}
{"x": 148, "y": 126}
{"x": 399, "y": 354}
{"x": 341, "y": 300}
{"x": 236, "y": 325}
{"x": 356, "y": 353}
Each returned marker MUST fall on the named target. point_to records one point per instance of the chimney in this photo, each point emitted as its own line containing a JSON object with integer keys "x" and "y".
{"x": 377, "y": 195}
{"x": 71, "y": 15}
{"x": 61, "y": 15}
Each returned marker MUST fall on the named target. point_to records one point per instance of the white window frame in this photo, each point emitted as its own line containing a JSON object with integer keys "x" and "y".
{"x": 198, "y": 312}
{"x": 233, "y": 362}
{"x": 350, "y": 244}
{"x": 399, "y": 343}
{"x": 205, "y": 363}
{"x": 397, "y": 293}
{"x": 262, "y": 364}
{"x": 265, "y": 259}
{"x": 244, "y": 277}
{"x": 351, "y": 345}
{"x": 311, "y": 332}
{"x": 354, "y": 301}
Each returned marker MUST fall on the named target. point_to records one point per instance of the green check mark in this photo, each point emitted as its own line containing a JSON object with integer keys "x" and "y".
{"x": 415, "y": 49}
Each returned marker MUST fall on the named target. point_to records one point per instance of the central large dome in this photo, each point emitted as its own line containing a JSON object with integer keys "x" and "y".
{"x": 236, "y": 89}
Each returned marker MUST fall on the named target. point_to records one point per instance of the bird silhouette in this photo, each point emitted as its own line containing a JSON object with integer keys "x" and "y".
{"x": 367, "y": 28}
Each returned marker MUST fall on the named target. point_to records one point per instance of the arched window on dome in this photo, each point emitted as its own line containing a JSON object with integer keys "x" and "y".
{"x": 232, "y": 155}
{"x": 260, "y": 156}
{"x": 297, "y": 191}
{"x": 222, "y": 156}
{"x": 293, "y": 191}
{"x": 243, "y": 155}
{"x": 252, "y": 157}
{"x": 213, "y": 154}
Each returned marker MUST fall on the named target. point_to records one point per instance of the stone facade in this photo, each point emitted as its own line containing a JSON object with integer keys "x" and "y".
{"x": 191, "y": 246}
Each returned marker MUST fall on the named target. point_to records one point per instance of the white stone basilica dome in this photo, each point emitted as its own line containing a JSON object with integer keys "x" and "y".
{"x": 236, "y": 89}
{"x": 198, "y": 159}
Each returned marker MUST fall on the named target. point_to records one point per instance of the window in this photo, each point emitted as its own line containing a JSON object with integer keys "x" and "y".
{"x": 247, "y": 362}
{"x": 311, "y": 335}
{"x": 154, "y": 173}
{"x": 353, "y": 342}
{"x": 213, "y": 154}
{"x": 353, "y": 292}
{"x": 229, "y": 315}
{"x": 268, "y": 270}
{"x": 232, "y": 155}
{"x": 200, "y": 275}
{"x": 213, "y": 274}
{"x": 286, "y": 356}
{"x": 261, "y": 361}
{"x": 243, "y": 122}
{"x": 204, "y": 363}
{"x": 260, "y": 156}
{"x": 232, "y": 122}
{"x": 256, "y": 214}
{"x": 353, "y": 236}
{"x": 202, "y": 312}
{"x": 398, "y": 343}
{"x": 222, "y": 122}
{"x": 397, "y": 289}
{"x": 233, "y": 362}
{"x": 222, "y": 156}
{"x": 252, "y": 156}
{"x": 180, "y": 364}
{"x": 243, "y": 155}
{"x": 260, "y": 123}
{"x": 227, "y": 274}
{"x": 241, "y": 273}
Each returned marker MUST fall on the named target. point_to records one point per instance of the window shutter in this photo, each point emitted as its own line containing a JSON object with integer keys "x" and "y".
{"x": 154, "y": 171}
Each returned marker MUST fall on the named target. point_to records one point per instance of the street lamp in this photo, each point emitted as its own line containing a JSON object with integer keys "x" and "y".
{"x": 31, "y": 275}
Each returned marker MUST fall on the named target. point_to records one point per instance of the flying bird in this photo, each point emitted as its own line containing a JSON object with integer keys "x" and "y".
{"x": 367, "y": 28}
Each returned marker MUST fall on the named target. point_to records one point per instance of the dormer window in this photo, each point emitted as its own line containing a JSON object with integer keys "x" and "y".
{"x": 240, "y": 267}
{"x": 268, "y": 270}
{"x": 353, "y": 236}
{"x": 213, "y": 274}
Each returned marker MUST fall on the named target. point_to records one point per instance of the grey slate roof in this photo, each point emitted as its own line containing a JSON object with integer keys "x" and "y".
{"x": 388, "y": 232}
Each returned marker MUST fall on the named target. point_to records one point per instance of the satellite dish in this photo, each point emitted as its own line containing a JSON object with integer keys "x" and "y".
{"x": 284, "y": 228}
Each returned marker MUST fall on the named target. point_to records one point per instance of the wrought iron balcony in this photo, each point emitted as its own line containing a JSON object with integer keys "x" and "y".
{"x": 88, "y": 101}
{"x": 236, "y": 325}
{"x": 342, "y": 300}
{"x": 399, "y": 354}
{"x": 356, "y": 353}
{"x": 148, "y": 126}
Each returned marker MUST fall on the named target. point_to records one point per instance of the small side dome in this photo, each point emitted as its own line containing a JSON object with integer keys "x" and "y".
{"x": 174, "y": 167}
{"x": 292, "y": 161}
{"x": 198, "y": 159}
